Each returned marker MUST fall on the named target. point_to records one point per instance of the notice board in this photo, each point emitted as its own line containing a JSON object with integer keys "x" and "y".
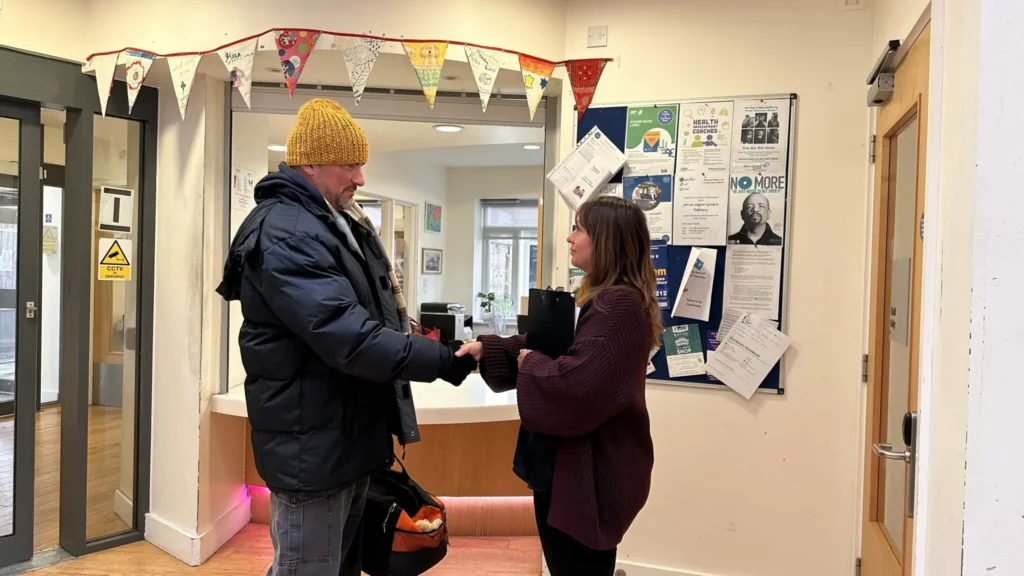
{"x": 713, "y": 174}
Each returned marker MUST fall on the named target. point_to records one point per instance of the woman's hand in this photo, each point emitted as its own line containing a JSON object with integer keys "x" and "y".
{"x": 522, "y": 356}
{"x": 474, "y": 349}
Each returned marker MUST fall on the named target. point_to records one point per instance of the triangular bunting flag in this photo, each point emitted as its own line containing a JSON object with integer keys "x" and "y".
{"x": 104, "y": 66}
{"x": 136, "y": 68}
{"x": 360, "y": 55}
{"x": 536, "y": 74}
{"x": 485, "y": 64}
{"x": 427, "y": 58}
{"x": 183, "y": 72}
{"x": 238, "y": 59}
{"x": 294, "y": 48}
{"x": 583, "y": 77}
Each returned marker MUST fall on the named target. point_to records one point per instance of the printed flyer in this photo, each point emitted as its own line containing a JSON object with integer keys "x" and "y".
{"x": 757, "y": 209}
{"x": 753, "y": 278}
{"x": 651, "y": 139}
{"x": 659, "y": 259}
{"x": 762, "y": 144}
{"x": 683, "y": 352}
{"x": 653, "y": 194}
{"x": 705, "y": 135}
{"x": 701, "y": 209}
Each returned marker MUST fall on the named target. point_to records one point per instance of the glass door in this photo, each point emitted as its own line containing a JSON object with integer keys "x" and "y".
{"x": 20, "y": 239}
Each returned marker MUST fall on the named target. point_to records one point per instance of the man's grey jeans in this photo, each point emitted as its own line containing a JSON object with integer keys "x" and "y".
{"x": 317, "y": 533}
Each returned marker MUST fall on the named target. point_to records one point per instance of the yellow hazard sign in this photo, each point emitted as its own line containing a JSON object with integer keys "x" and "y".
{"x": 115, "y": 259}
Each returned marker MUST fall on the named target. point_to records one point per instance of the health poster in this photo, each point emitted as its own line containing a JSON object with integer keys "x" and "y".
{"x": 659, "y": 259}
{"x": 653, "y": 194}
{"x": 683, "y": 352}
{"x": 651, "y": 139}
{"x": 763, "y": 136}
{"x": 757, "y": 209}
{"x": 705, "y": 138}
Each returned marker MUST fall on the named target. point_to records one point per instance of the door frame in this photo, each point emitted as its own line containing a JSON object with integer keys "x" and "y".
{"x": 50, "y": 82}
{"x": 909, "y": 101}
{"x": 18, "y": 546}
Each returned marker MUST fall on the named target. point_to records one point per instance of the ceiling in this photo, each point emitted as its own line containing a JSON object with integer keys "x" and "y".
{"x": 475, "y": 146}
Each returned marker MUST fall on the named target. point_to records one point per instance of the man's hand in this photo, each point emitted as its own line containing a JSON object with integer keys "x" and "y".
{"x": 474, "y": 349}
{"x": 522, "y": 356}
{"x": 461, "y": 366}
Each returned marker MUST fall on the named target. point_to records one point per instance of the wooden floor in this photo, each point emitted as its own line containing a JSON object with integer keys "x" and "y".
{"x": 250, "y": 552}
{"x": 102, "y": 481}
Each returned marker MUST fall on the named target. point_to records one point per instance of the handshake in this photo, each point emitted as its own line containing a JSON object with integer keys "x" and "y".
{"x": 461, "y": 365}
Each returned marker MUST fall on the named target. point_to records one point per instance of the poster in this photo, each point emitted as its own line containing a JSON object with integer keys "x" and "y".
{"x": 747, "y": 354}
{"x": 757, "y": 209}
{"x": 653, "y": 194}
{"x": 575, "y": 277}
{"x": 587, "y": 169}
{"x": 694, "y": 297}
{"x": 753, "y": 277}
{"x": 659, "y": 259}
{"x": 243, "y": 182}
{"x": 705, "y": 136}
{"x": 761, "y": 134}
{"x": 701, "y": 209}
{"x": 683, "y": 352}
{"x": 651, "y": 139}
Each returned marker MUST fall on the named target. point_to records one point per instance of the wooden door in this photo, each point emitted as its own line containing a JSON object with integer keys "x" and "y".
{"x": 893, "y": 355}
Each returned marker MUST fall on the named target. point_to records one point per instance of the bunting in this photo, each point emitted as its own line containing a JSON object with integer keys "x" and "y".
{"x": 238, "y": 60}
{"x": 428, "y": 59}
{"x": 183, "y": 72}
{"x": 485, "y": 65}
{"x": 294, "y": 48}
{"x": 136, "y": 68}
{"x": 583, "y": 77}
{"x": 104, "y": 67}
{"x": 361, "y": 51}
{"x": 360, "y": 55}
{"x": 536, "y": 74}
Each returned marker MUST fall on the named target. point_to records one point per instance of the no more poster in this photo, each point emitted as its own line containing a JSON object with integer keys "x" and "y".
{"x": 757, "y": 209}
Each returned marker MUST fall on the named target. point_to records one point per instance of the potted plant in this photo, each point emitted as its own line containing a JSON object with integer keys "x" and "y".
{"x": 486, "y": 305}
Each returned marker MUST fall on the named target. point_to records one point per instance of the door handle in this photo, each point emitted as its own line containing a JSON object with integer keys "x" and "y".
{"x": 886, "y": 451}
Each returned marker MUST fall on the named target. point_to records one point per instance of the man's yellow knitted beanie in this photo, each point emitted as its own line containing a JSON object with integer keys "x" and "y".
{"x": 325, "y": 134}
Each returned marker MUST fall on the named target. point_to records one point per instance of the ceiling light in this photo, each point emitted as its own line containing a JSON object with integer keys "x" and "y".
{"x": 277, "y": 148}
{"x": 448, "y": 128}
{"x": 531, "y": 146}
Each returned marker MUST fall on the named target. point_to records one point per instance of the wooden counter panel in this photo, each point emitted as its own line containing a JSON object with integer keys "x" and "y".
{"x": 451, "y": 460}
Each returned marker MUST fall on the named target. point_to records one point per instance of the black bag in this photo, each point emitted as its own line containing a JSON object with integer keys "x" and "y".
{"x": 392, "y": 545}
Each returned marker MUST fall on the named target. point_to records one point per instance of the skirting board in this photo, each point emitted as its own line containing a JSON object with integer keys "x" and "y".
{"x": 637, "y": 569}
{"x": 194, "y": 549}
{"x": 123, "y": 507}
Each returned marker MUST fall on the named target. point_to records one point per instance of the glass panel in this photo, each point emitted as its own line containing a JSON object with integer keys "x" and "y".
{"x": 527, "y": 268}
{"x": 896, "y": 358}
{"x": 110, "y": 483}
{"x": 9, "y": 161}
{"x": 499, "y": 272}
{"x": 403, "y": 215}
{"x": 511, "y": 215}
{"x": 375, "y": 212}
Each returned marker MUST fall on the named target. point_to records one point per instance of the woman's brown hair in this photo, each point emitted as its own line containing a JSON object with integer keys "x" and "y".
{"x": 621, "y": 254}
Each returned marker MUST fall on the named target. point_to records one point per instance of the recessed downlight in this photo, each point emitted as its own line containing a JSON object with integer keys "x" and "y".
{"x": 531, "y": 146}
{"x": 448, "y": 128}
{"x": 277, "y": 148}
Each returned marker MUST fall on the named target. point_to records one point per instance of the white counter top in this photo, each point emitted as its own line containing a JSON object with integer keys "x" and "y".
{"x": 437, "y": 402}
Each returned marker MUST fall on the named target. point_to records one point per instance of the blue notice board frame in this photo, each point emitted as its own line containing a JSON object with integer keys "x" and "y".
{"x": 611, "y": 120}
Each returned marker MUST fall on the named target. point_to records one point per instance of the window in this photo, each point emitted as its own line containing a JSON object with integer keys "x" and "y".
{"x": 509, "y": 233}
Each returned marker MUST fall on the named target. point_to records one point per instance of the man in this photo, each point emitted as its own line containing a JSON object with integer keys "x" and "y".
{"x": 324, "y": 343}
{"x": 756, "y": 231}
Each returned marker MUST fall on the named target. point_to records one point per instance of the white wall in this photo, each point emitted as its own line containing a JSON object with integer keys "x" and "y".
{"x": 49, "y": 351}
{"x": 30, "y": 25}
{"x": 466, "y": 187}
{"x": 893, "y": 20}
{"x": 769, "y": 486}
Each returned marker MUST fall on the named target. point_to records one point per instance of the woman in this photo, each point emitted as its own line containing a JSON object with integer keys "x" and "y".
{"x": 591, "y": 400}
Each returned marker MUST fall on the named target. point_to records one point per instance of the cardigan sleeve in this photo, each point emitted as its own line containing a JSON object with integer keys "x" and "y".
{"x": 499, "y": 363}
{"x": 574, "y": 394}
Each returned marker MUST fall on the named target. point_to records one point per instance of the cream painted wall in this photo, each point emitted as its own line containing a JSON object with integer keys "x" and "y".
{"x": 30, "y": 25}
{"x": 466, "y": 187}
{"x": 893, "y": 20}
{"x": 769, "y": 486}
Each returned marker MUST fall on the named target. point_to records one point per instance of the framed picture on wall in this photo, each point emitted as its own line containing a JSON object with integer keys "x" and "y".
{"x": 432, "y": 220}
{"x": 432, "y": 261}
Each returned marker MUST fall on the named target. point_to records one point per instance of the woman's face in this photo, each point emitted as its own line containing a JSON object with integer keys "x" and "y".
{"x": 580, "y": 248}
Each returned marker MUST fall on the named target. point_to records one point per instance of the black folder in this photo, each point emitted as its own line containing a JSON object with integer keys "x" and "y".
{"x": 551, "y": 329}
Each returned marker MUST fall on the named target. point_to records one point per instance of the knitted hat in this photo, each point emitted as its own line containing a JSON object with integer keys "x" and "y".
{"x": 325, "y": 134}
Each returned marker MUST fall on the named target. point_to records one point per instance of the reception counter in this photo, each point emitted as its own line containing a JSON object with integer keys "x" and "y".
{"x": 468, "y": 436}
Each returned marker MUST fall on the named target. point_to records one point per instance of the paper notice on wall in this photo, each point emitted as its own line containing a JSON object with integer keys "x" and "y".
{"x": 243, "y": 184}
{"x": 747, "y": 354}
{"x": 485, "y": 65}
{"x": 659, "y": 259}
{"x": 753, "y": 277}
{"x": 694, "y": 297}
{"x": 761, "y": 136}
{"x": 588, "y": 168}
{"x": 653, "y": 194}
{"x": 183, "y": 72}
{"x": 238, "y": 59}
{"x": 701, "y": 209}
{"x": 575, "y": 278}
{"x": 683, "y": 352}
{"x": 136, "y": 68}
{"x": 651, "y": 139}
{"x": 730, "y": 316}
{"x": 705, "y": 138}
{"x": 757, "y": 209}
